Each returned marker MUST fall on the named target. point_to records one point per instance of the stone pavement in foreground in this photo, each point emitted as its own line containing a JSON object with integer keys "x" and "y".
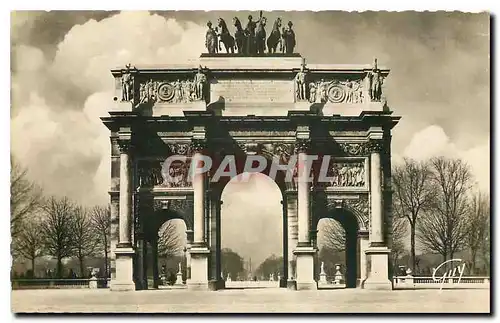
{"x": 273, "y": 300}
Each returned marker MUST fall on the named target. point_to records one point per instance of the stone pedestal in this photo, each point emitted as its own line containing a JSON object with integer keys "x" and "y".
{"x": 178, "y": 280}
{"x": 338, "y": 275}
{"x": 322, "y": 279}
{"x": 124, "y": 270}
{"x": 378, "y": 276}
{"x": 199, "y": 268}
{"x": 93, "y": 283}
{"x": 305, "y": 268}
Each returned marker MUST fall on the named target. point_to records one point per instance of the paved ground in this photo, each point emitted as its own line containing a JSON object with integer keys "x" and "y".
{"x": 269, "y": 300}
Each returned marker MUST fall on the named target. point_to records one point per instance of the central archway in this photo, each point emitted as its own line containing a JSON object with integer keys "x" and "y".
{"x": 252, "y": 232}
{"x": 338, "y": 242}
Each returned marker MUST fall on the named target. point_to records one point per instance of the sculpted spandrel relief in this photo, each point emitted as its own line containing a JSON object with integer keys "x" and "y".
{"x": 177, "y": 91}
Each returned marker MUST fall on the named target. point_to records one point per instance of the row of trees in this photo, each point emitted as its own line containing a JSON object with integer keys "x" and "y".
{"x": 60, "y": 228}
{"x": 436, "y": 202}
{"x": 446, "y": 213}
{"x": 53, "y": 226}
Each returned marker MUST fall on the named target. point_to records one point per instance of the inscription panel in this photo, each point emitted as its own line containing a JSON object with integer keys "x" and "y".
{"x": 252, "y": 91}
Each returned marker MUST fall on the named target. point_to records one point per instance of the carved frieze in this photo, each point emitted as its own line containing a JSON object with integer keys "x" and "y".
{"x": 176, "y": 176}
{"x": 336, "y": 91}
{"x": 149, "y": 173}
{"x": 173, "y": 91}
{"x": 347, "y": 174}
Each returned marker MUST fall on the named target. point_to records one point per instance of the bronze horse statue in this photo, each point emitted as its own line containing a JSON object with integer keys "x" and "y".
{"x": 275, "y": 37}
{"x": 225, "y": 37}
{"x": 239, "y": 36}
{"x": 260, "y": 36}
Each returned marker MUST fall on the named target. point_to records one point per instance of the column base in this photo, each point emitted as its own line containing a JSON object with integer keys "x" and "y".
{"x": 372, "y": 284}
{"x": 214, "y": 285}
{"x": 305, "y": 268}
{"x": 199, "y": 268}
{"x": 378, "y": 276}
{"x": 124, "y": 270}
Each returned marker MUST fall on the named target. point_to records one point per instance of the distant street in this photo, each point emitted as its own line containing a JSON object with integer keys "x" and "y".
{"x": 269, "y": 300}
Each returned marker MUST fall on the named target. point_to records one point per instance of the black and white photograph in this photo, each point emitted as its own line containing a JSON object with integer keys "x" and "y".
{"x": 250, "y": 161}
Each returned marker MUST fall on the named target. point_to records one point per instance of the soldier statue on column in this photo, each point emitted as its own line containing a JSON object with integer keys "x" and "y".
{"x": 300, "y": 82}
{"x": 199, "y": 82}
{"x": 127, "y": 84}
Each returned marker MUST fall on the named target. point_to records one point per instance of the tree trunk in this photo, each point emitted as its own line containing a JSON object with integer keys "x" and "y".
{"x": 105, "y": 256}
{"x": 473, "y": 263}
{"x": 412, "y": 251}
{"x": 80, "y": 259}
{"x": 59, "y": 267}
{"x": 33, "y": 266}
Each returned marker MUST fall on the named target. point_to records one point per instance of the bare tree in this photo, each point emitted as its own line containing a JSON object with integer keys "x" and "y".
{"x": 29, "y": 242}
{"x": 334, "y": 236}
{"x": 477, "y": 225}
{"x": 444, "y": 227}
{"x": 486, "y": 245}
{"x": 413, "y": 195}
{"x": 57, "y": 229}
{"x": 84, "y": 236}
{"x": 25, "y": 197}
{"x": 399, "y": 231}
{"x": 169, "y": 242}
{"x": 101, "y": 220}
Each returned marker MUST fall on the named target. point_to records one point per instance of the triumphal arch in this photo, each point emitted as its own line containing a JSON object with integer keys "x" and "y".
{"x": 271, "y": 112}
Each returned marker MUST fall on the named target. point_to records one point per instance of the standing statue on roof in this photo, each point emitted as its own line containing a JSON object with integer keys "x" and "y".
{"x": 211, "y": 39}
{"x": 289, "y": 38}
{"x": 250, "y": 34}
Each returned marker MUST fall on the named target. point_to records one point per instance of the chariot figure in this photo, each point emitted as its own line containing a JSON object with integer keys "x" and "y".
{"x": 211, "y": 39}
{"x": 250, "y": 34}
{"x": 275, "y": 37}
{"x": 239, "y": 36}
{"x": 225, "y": 37}
{"x": 289, "y": 38}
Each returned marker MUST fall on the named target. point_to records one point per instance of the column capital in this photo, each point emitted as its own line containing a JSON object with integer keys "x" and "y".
{"x": 125, "y": 145}
{"x": 302, "y": 145}
{"x": 376, "y": 146}
{"x": 198, "y": 145}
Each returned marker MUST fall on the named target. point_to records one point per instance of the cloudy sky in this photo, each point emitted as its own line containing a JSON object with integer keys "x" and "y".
{"x": 439, "y": 83}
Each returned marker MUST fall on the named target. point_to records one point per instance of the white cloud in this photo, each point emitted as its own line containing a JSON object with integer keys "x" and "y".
{"x": 56, "y": 130}
{"x": 433, "y": 141}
